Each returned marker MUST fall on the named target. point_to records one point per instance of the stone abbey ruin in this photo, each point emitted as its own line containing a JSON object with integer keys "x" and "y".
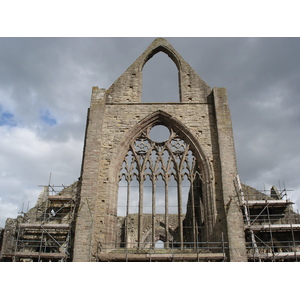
{"x": 145, "y": 196}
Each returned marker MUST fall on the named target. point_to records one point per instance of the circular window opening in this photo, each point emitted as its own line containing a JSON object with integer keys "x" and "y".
{"x": 159, "y": 133}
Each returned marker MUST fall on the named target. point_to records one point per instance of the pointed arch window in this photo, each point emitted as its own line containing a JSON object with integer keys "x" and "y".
{"x": 160, "y": 80}
{"x": 160, "y": 187}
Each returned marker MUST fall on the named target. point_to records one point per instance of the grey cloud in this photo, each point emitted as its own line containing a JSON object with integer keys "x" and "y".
{"x": 56, "y": 75}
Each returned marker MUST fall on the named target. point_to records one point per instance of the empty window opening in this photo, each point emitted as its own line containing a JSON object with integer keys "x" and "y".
{"x": 123, "y": 187}
{"x": 160, "y": 195}
{"x": 133, "y": 201}
{"x": 160, "y": 80}
{"x": 159, "y": 133}
{"x": 159, "y": 244}
{"x": 159, "y": 183}
{"x": 147, "y": 207}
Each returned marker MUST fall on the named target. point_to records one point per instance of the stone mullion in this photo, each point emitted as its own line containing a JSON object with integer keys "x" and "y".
{"x": 179, "y": 189}
{"x": 201, "y": 207}
{"x": 141, "y": 166}
{"x": 140, "y": 178}
{"x": 130, "y": 178}
{"x": 179, "y": 193}
{"x": 127, "y": 211}
{"x": 153, "y": 208}
{"x": 192, "y": 177}
{"x": 140, "y": 213}
{"x": 166, "y": 179}
{"x": 193, "y": 211}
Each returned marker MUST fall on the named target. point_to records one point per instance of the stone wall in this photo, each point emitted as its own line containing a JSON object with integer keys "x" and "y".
{"x": 117, "y": 116}
{"x": 9, "y": 236}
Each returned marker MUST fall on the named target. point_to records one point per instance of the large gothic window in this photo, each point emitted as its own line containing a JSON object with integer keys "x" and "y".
{"x": 160, "y": 195}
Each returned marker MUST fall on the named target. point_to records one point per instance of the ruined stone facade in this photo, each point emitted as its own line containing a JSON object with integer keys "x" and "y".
{"x": 45, "y": 232}
{"x": 117, "y": 117}
{"x": 182, "y": 191}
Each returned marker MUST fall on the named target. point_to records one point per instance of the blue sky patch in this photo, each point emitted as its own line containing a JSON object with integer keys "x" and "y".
{"x": 6, "y": 118}
{"x": 47, "y": 118}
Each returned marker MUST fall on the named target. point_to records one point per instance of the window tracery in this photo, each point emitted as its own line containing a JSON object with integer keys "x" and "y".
{"x": 157, "y": 186}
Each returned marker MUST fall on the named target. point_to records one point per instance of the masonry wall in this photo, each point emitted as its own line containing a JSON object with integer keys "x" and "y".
{"x": 97, "y": 215}
{"x": 117, "y": 115}
{"x": 9, "y": 236}
{"x": 228, "y": 173}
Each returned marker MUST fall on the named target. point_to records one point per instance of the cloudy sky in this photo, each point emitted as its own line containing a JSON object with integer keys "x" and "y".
{"x": 45, "y": 88}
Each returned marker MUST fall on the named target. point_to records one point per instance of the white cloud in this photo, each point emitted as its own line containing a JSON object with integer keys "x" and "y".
{"x": 26, "y": 161}
{"x": 8, "y": 210}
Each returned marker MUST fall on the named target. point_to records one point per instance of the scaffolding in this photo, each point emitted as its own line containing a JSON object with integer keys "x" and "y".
{"x": 205, "y": 251}
{"x": 44, "y": 233}
{"x": 272, "y": 228}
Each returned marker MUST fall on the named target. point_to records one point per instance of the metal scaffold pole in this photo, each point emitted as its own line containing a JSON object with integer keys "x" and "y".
{"x": 247, "y": 216}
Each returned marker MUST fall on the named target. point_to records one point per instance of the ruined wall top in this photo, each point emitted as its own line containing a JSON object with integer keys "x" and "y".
{"x": 128, "y": 87}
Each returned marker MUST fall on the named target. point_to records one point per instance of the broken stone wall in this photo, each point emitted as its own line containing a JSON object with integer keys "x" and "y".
{"x": 117, "y": 116}
{"x": 9, "y": 236}
{"x": 43, "y": 212}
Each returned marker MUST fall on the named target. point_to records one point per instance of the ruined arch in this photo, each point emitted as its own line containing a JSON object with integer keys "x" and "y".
{"x": 195, "y": 214}
{"x": 160, "y": 234}
{"x": 128, "y": 87}
{"x": 160, "y": 80}
{"x": 162, "y": 46}
{"x": 160, "y": 117}
{"x": 165, "y": 49}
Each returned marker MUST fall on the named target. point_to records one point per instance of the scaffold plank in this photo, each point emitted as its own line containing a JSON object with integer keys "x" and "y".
{"x": 60, "y": 198}
{"x": 251, "y": 203}
{"x": 44, "y": 226}
{"x": 277, "y": 255}
{"x": 160, "y": 256}
{"x": 273, "y": 227}
{"x": 28, "y": 254}
{"x": 41, "y": 255}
